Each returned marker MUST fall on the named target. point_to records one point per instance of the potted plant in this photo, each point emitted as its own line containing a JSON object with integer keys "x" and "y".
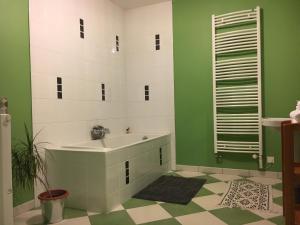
{"x": 29, "y": 167}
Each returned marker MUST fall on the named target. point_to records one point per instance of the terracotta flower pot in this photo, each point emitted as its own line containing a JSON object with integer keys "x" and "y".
{"x": 52, "y": 204}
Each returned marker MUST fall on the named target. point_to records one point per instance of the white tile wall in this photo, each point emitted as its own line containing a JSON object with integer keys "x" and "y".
{"x": 146, "y": 66}
{"x": 58, "y": 51}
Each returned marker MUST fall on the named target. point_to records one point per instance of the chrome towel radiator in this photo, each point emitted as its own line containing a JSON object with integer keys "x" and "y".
{"x": 236, "y": 52}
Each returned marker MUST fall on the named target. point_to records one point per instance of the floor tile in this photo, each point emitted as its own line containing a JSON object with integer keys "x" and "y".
{"x": 276, "y": 193}
{"x": 172, "y": 174}
{"x": 92, "y": 213}
{"x": 238, "y": 172}
{"x": 235, "y": 216}
{"x": 204, "y": 217}
{"x": 71, "y": 217}
{"x": 217, "y": 188}
{"x": 33, "y": 217}
{"x": 138, "y": 211}
{"x": 204, "y": 192}
{"x": 209, "y": 179}
{"x": 118, "y": 208}
{"x": 171, "y": 221}
{"x": 134, "y": 203}
{"x": 148, "y": 214}
{"x": 278, "y": 201}
{"x": 114, "y": 218}
{"x": 265, "y": 180}
{"x": 276, "y": 211}
{"x": 209, "y": 202}
{"x": 278, "y": 186}
{"x": 190, "y": 174}
{"x": 180, "y": 210}
{"x": 225, "y": 177}
{"x": 261, "y": 222}
{"x": 278, "y": 220}
{"x": 158, "y": 202}
{"x": 76, "y": 221}
{"x": 70, "y": 213}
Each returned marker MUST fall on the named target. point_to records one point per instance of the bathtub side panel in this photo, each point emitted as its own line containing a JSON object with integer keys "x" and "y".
{"x": 81, "y": 174}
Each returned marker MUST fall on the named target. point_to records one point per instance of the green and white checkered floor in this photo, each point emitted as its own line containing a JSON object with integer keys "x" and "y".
{"x": 203, "y": 209}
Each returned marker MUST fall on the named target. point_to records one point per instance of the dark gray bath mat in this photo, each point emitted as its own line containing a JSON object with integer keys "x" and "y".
{"x": 172, "y": 189}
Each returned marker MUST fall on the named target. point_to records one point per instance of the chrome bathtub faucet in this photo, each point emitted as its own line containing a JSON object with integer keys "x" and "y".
{"x": 98, "y": 132}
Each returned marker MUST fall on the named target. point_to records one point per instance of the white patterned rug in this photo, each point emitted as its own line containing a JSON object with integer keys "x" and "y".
{"x": 248, "y": 195}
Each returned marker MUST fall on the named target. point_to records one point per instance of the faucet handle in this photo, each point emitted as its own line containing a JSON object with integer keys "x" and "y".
{"x": 97, "y": 132}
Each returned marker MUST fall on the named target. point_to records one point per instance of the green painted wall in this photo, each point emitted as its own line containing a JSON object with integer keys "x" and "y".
{"x": 15, "y": 71}
{"x": 193, "y": 75}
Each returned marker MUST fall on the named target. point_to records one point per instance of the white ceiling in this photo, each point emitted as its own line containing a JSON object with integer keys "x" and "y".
{"x": 129, "y": 4}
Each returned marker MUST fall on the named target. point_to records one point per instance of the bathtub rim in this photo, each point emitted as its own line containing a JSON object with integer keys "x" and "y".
{"x": 105, "y": 150}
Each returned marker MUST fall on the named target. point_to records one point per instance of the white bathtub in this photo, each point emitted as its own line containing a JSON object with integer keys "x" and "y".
{"x": 112, "y": 143}
{"x": 102, "y": 174}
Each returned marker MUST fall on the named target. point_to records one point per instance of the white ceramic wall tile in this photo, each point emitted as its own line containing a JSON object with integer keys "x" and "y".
{"x": 146, "y": 66}
{"x": 151, "y": 124}
{"x": 83, "y": 65}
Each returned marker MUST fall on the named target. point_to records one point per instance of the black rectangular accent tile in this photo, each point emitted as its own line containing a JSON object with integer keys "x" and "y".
{"x": 59, "y": 95}
{"x": 82, "y": 35}
{"x": 157, "y": 42}
{"x": 146, "y": 87}
{"x": 59, "y": 80}
{"x": 59, "y": 87}
{"x": 81, "y": 21}
{"x": 117, "y": 48}
{"x": 81, "y": 28}
{"x": 147, "y": 98}
{"x": 146, "y": 92}
{"x": 127, "y": 164}
{"x": 157, "y": 36}
{"x": 127, "y": 180}
{"x": 117, "y": 37}
{"x": 127, "y": 172}
{"x": 157, "y": 47}
{"x": 103, "y": 98}
{"x": 103, "y": 86}
{"x": 103, "y": 91}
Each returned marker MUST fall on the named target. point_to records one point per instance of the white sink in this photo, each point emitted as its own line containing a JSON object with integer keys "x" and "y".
{"x": 273, "y": 122}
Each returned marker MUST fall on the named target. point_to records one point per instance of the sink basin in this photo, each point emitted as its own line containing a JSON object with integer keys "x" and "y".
{"x": 273, "y": 122}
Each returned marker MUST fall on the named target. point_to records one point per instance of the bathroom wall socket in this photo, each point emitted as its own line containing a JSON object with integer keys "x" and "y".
{"x": 270, "y": 159}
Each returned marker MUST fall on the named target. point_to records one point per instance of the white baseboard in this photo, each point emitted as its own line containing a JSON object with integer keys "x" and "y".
{"x": 23, "y": 208}
{"x": 239, "y": 172}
